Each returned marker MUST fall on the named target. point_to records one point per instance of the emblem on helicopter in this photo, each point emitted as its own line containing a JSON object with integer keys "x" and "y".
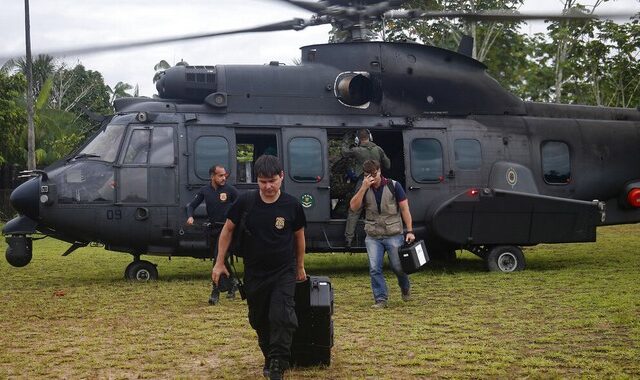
{"x": 307, "y": 200}
{"x": 512, "y": 177}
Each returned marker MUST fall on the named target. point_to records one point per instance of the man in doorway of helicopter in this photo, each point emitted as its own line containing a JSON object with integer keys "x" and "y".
{"x": 386, "y": 206}
{"x": 273, "y": 261}
{"x": 218, "y": 197}
{"x": 364, "y": 149}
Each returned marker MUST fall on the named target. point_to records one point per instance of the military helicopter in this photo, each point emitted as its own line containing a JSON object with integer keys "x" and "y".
{"x": 483, "y": 170}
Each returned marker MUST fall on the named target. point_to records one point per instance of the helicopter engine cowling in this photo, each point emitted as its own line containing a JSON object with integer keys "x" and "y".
{"x": 19, "y": 251}
{"x": 187, "y": 82}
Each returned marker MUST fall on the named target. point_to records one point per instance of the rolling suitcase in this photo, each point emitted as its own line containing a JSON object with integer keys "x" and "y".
{"x": 413, "y": 256}
{"x": 313, "y": 339}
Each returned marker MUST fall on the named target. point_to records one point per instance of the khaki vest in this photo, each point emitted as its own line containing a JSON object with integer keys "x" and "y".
{"x": 389, "y": 221}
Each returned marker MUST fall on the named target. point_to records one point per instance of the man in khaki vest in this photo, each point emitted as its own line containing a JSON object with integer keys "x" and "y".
{"x": 386, "y": 206}
{"x": 364, "y": 150}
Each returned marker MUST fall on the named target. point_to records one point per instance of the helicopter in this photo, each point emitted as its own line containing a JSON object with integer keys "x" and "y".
{"x": 483, "y": 170}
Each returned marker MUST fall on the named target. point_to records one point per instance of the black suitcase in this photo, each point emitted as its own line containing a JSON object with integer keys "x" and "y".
{"x": 313, "y": 339}
{"x": 413, "y": 256}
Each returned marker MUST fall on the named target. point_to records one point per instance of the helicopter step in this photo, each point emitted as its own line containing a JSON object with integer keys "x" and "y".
{"x": 491, "y": 217}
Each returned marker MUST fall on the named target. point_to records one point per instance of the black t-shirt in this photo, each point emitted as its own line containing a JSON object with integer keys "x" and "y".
{"x": 272, "y": 226}
{"x": 217, "y": 201}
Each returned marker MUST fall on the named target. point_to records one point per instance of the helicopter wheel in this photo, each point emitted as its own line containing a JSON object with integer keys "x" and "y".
{"x": 142, "y": 271}
{"x": 505, "y": 258}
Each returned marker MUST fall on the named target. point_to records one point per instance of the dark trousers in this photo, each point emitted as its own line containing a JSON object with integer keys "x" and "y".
{"x": 272, "y": 311}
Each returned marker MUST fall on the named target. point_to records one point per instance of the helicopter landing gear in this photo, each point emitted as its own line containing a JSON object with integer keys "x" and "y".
{"x": 141, "y": 270}
{"x": 505, "y": 258}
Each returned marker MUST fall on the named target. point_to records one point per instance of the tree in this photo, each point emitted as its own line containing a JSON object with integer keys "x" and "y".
{"x": 119, "y": 91}
{"x": 13, "y": 119}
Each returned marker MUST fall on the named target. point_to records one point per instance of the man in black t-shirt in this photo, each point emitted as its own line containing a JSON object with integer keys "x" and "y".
{"x": 273, "y": 263}
{"x": 218, "y": 197}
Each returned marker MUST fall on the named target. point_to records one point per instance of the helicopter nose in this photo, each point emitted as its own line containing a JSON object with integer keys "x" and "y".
{"x": 25, "y": 198}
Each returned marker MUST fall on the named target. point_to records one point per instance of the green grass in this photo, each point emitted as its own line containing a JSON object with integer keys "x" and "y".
{"x": 574, "y": 312}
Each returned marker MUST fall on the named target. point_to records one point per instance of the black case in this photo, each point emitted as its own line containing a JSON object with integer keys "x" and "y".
{"x": 313, "y": 339}
{"x": 413, "y": 256}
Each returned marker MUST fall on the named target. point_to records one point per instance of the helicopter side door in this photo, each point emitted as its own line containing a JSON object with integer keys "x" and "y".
{"x": 307, "y": 170}
{"x": 146, "y": 186}
{"x": 427, "y": 164}
{"x": 205, "y": 146}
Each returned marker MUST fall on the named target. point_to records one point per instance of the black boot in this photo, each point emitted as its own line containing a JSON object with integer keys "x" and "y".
{"x": 265, "y": 368}
{"x": 277, "y": 368}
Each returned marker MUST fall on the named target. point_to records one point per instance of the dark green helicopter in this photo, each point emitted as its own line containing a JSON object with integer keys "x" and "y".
{"x": 483, "y": 170}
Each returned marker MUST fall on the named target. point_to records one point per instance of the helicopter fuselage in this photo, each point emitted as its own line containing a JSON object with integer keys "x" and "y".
{"x": 480, "y": 167}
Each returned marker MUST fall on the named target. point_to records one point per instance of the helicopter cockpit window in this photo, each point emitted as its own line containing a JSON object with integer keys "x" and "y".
{"x": 138, "y": 149}
{"x": 209, "y": 151}
{"x": 556, "y": 162}
{"x": 305, "y": 159}
{"x": 162, "y": 146}
{"x": 468, "y": 154}
{"x": 426, "y": 160}
{"x": 104, "y": 147}
{"x": 85, "y": 182}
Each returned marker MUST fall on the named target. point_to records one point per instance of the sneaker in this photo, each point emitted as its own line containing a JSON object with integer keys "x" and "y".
{"x": 215, "y": 297}
{"x": 277, "y": 368}
{"x": 379, "y": 304}
{"x": 406, "y": 295}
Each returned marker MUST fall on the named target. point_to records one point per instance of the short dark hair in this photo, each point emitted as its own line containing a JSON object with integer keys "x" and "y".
{"x": 364, "y": 134}
{"x": 370, "y": 166}
{"x": 212, "y": 170}
{"x": 267, "y": 166}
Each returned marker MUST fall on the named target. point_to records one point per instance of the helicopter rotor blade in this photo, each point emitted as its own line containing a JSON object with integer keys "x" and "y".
{"x": 503, "y": 15}
{"x": 294, "y": 24}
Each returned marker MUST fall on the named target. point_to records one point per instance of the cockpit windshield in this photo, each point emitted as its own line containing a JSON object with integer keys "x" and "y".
{"x": 104, "y": 147}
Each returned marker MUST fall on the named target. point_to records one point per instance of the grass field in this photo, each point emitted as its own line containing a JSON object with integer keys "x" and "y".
{"x": 575, "y": 312}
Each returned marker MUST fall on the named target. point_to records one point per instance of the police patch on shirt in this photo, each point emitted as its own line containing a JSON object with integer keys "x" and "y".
{"x": 280, "y": 222}
{"x": 223, "y": 197}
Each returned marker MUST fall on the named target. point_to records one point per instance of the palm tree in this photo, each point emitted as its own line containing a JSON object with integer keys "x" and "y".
{"x": 119, "y": 91}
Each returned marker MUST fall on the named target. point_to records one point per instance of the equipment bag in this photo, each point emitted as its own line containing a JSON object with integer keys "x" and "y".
{"x": 313, "y": 339}
{"x": 413, "y": 256}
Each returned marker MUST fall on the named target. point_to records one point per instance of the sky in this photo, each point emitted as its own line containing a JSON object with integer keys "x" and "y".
{"x": 62, "y": 24}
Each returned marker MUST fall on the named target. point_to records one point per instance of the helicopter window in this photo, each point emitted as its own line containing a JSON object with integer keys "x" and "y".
{"x": 86, "y": 182}
{"x": 209, "y": 151}
{"x": 305, "y": 159}
{"x": 426, "y": 160}
{"x": 105, "y": 145}
{"x": 248, "y": 149}
{"x": 138, "y": 150}
{"x": 162, "y": 146}
{"x": 133, "y": 184}
{"x": 468, "y": 154}
{"x": 556, "y": 162}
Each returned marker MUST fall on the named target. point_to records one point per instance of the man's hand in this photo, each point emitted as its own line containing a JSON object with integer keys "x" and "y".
{"x": 368, "y": 181}
{"x": 190, "y": 220}
{"x": 301, "y": 274}
{"x": 410, "y": 237}
{"x": 217, "y": 271}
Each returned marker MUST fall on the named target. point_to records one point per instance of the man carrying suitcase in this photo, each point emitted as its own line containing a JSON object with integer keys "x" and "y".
{"x": 272, "y": 263}
{"x": 386, "y": 206}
